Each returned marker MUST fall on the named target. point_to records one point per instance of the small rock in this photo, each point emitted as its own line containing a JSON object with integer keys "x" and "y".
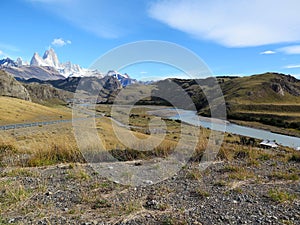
{"x": 148, "y": 182}
{"x": 12, "y": 220}
{"x": 48, "y": 193}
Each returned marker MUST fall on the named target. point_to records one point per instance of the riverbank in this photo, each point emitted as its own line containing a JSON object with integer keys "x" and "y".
{"x": 215, "y": 124}
{"x": 278, "y": 130}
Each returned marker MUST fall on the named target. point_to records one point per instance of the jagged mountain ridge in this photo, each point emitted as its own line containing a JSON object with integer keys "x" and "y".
{"x": 49, "y": 67}
{"x": 67, "y": 69}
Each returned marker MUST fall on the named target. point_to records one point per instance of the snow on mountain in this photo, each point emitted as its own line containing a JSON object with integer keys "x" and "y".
{"x": 7, "y": 63}
{"x": 67, "y": 69}
{"x": 20, "y": 62}
{"x": 37, "y": 60}
{"x": 73, "y": 70}
{"x": 51, "y": 58}
{"x": 50, "y": 62}
{"x": 123, "y": 78}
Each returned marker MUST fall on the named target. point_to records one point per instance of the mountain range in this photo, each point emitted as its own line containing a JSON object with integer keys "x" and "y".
{"x": 48, "y": 67}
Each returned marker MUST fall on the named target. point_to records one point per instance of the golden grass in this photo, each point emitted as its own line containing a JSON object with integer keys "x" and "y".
{"x": 46, "y": 145}
{"x": 53, "y": 144}
{"x": 14, "y": 110}
{"x": 38, "y": 146}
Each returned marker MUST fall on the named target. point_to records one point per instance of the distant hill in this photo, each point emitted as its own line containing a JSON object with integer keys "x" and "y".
{"x": 104, "y": 88}
{"x": 262, "y": 88}
{"x": 10, "y": 87}
{"x": 46, "y": 94}
{"x": 40, "y": 93}
{"x": 269, "y": 98}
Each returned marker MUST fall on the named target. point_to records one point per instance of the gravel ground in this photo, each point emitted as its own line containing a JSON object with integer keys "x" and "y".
{"x": 226, "y": 193}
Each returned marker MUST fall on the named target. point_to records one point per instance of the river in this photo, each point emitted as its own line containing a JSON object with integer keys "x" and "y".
{"x": 192, "y": 118}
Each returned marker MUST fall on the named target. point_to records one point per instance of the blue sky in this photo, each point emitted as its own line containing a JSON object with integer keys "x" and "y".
{"x": 233, "y": 37}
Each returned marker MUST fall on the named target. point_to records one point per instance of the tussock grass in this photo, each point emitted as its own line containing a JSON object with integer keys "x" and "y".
{"x": 57, "y": 151}
{"x": 237, "y": 172}
{"x": 18, "y": 172}
{"x": 295, "y": 157}
{"x": 285, "y": 176}
{"x": 12, "y": 192}
{"x": 78, "y": 173}
{"x": 39, "y": 146}
{"x": 281, "y": 196}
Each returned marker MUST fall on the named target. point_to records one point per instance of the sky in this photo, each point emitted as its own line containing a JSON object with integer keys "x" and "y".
{"x": 232, "y": 37}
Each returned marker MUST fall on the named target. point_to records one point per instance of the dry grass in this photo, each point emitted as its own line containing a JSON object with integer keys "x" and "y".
{"x": 295, "y": 156}
{"x": 14, "y": 110}
{"x": 281, "y": 196}
{"x": 57, "y": 151}
{"x": 46, "y": 145}
{"x": 39, "y": 146}
{"x": 11, "y": 193}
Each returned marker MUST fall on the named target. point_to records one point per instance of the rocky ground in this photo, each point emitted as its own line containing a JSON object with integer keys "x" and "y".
{"x": 228, "y": 192}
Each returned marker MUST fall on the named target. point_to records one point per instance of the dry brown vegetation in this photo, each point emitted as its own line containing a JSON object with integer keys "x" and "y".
{"x": 14, "y": 110}
{"x": 239, "y": 164}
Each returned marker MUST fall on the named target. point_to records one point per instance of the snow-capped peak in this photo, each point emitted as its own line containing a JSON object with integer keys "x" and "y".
{"x": 51, "y": 58}
{"x": 20, "y": 62}
{"x": 123, "y": 78}
{"x": 116, "y": 74}
{"x": 7, "y": 62}
{"x": 66, "y": 69}
{"x": 37, "y": 60}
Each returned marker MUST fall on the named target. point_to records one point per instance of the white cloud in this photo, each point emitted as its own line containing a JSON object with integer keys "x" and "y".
{"x": 291, "y": 50}
{"x": 1, "y": 53}
{"x": 59, "y": 42}
{"x": 269, "y": 52}
{"x": 292, "y": 66}
{"x": 232, "y": 23}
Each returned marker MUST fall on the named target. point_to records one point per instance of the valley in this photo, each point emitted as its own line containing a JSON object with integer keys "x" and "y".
{"x": 97, "y": 168}
{"x": 46, "y": 179}
{"x": 152, "y": 112}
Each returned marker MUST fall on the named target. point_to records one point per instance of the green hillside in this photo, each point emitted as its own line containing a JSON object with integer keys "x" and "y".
{"x": 269, "y": 99}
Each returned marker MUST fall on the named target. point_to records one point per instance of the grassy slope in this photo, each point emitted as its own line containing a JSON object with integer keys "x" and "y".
{"x": 256, "y": 90}
{"x": 14, "y": 110}
{"x": 252, "y": 99}
{"x": 265, "y": 99}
